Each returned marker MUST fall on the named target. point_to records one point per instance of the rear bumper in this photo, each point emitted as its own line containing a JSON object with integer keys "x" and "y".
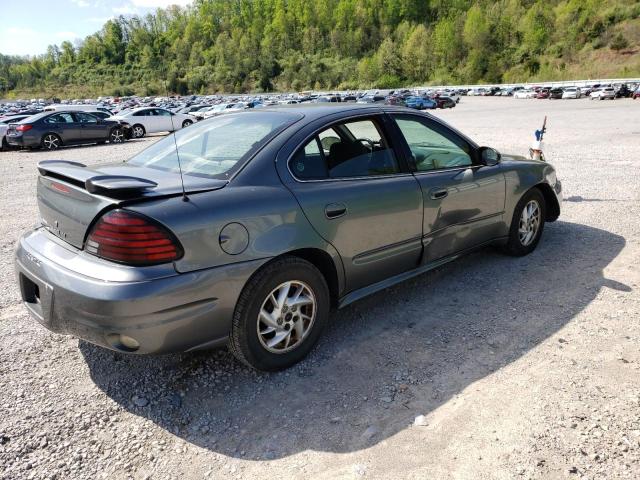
{"x": 164, "y": 311}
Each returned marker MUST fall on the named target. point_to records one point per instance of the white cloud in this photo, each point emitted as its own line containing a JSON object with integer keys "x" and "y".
{"x": 66, "y": 35}
{"x": 125, "y": 10}
{"x": 21, "y": 31}
{"x": 82, "y": 3}
{"x": 98, "y": 19}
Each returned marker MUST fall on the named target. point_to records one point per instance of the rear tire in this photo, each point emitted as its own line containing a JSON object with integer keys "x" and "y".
{"x": 138, "y": 131}
{"x": 527, "y": 224}
{"x": 51, "y": 141}
{"x": 268, "y": 310}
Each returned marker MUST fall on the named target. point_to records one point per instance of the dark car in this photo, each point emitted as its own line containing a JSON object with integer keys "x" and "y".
{"x": 264, "y": 220}
{"x": 4, "y": 125}
{"x": 623, "y": 91}
{"x": 51, "y": 130}
{"x": 444, "y": 102}
{"x": 556, "y": 93}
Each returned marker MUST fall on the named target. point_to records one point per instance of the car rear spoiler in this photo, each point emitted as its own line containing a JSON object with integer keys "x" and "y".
{"x": 114, "y": 186}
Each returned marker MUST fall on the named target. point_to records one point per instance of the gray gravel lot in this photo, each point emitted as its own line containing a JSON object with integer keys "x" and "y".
{"x": 521, "y": 368}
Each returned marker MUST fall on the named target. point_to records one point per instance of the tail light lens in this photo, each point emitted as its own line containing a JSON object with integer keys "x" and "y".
{"x": 133, "y": 239}
{"x": 23, "y": 128}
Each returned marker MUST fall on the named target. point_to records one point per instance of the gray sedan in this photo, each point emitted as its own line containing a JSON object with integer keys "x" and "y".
{"x": 262, "y": 221}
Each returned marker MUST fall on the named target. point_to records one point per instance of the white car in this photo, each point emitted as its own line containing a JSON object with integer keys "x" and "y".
{"x": 571, "y": 92}
{"x": 218, "y": 110}
{"x": 602, "y": 93}
{"x": 153, "y": 120}
{"x": 524, "y": 94}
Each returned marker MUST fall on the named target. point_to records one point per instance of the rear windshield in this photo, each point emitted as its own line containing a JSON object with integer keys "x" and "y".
{"x": 215, "y": 148}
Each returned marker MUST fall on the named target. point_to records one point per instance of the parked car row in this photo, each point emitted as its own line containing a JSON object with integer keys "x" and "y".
{"x": 594, "y": 92}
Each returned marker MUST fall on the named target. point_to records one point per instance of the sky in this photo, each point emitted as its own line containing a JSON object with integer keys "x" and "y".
{"x": 28, "y": 27}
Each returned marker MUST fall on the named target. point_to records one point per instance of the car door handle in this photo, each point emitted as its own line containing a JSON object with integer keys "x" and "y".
{"x": 335, "y": 210}
{"x": 439, "y": 193}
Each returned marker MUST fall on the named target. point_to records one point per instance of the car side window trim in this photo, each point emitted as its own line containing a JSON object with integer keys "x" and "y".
{"x": 381, "y": 121}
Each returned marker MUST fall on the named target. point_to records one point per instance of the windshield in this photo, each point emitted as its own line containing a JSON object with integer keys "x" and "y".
{"x": 215, "y": 148}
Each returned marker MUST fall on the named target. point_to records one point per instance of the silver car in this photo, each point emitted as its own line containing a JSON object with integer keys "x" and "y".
{"x": 262, "y": 221}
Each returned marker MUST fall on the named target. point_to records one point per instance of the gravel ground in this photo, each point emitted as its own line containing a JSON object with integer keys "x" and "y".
{"x": 490, "y": 367}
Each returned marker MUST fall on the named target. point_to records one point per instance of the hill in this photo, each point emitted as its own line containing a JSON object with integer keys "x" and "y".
{"x": 264, "y": 45}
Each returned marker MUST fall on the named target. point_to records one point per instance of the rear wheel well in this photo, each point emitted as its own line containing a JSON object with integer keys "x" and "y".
{"x": 552, "y": 205}
{"x": 323, "y": 262}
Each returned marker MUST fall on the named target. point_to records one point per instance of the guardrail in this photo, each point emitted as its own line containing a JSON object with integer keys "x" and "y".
{"x": 573, "y": 83}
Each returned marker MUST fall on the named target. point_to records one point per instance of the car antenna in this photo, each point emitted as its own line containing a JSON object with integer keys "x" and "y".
{"x": 173, "y": 128}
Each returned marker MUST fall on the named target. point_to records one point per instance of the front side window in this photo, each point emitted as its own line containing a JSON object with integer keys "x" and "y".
{"x": 432, "y": 146}
{"x": 86, "y": 118}
{"x": 351, "y": 149}
{"x": 217, "y": 147}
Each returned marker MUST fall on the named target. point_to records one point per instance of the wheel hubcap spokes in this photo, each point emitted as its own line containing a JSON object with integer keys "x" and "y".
{"x": 529, "y": 223}
{"x": 116, "y": 137}
{"x": 50, "y": 142}
{"x": 286, "y": 316}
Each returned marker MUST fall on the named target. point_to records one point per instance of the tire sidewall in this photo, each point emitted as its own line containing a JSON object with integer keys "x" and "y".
{"x": 247, "y": 317}
{"x": 514, "y": 245}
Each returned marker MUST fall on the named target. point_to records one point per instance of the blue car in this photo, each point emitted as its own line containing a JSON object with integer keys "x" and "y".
{"x": 420, "y": 103}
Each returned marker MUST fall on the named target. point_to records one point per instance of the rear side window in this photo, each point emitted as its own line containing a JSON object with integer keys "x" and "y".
{"x": 347, "y": 150}
{"x": 217, "y": 147}
{"x": 60, "y": 118}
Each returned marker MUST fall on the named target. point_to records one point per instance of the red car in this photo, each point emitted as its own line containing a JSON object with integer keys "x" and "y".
{"x": 543, "y": 93}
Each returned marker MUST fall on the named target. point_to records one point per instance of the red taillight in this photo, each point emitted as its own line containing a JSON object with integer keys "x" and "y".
{"x": 23, "y": 128}
{"x": 131, "y": 238}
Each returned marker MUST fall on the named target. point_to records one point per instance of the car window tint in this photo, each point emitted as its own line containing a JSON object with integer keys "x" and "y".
{"x": 60, "y": 118}
{"x": 162, "y": 113}
{"x": 216, "y": 147}
{"x": 352, "y": 149}
{"x": 85, "y": 118}
{"x": 432, "y": 146}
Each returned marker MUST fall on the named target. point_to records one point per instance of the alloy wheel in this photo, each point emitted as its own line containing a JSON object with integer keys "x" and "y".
{"x": 138, "y": 132}
{"x": 51, "y": 142}
{"x": 117, "y": 136}
{"x": 286, "y": 316}
{"x": 529, "y": 223}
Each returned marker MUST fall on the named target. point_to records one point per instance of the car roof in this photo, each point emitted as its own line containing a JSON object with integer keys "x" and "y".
{"x": 313, "y": 111}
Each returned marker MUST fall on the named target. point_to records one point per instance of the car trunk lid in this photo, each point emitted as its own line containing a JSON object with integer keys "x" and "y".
{"x": 71, "y": 195}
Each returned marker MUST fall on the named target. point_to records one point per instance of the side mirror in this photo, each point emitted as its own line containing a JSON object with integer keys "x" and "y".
{"x": 489, "y": 156}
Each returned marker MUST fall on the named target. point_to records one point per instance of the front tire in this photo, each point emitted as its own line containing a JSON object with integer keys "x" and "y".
{"x": 138, "y": 131}
{"x": 527, "y": 224}
{"x": 186, "y": 123}
{"x": 51, "y": 141}
{"x": 280, "y": 315}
